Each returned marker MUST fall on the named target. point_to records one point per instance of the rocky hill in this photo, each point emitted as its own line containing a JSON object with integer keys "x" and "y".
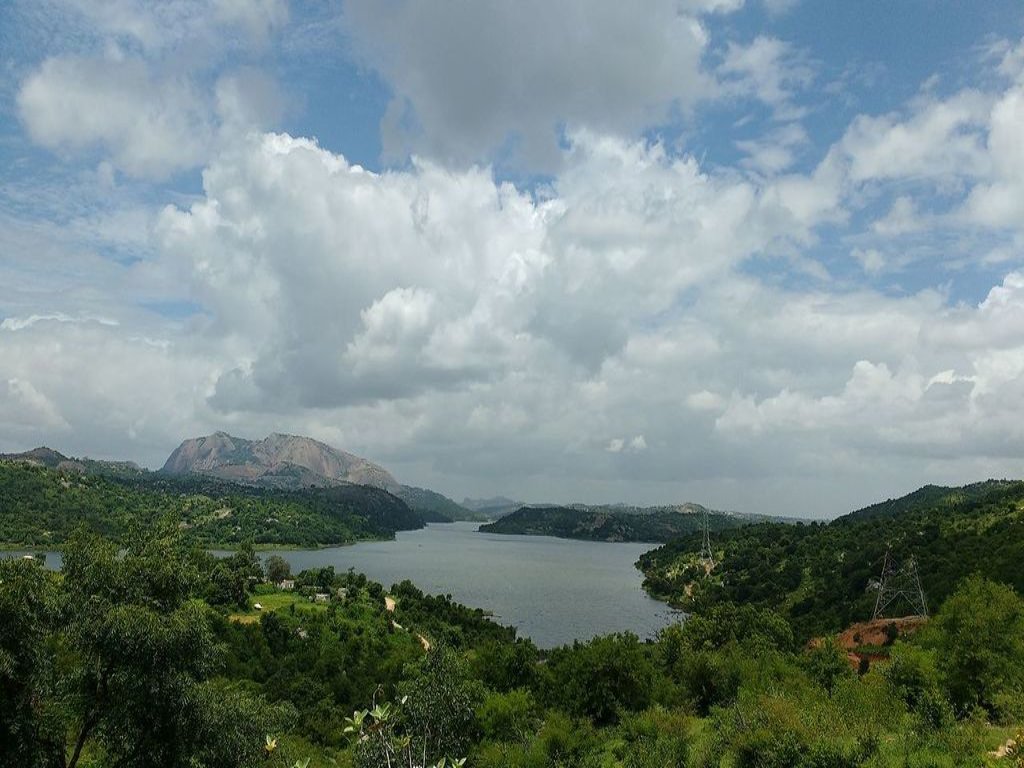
{"x": 282, "y": 461}
{"x": 293, "y": 462}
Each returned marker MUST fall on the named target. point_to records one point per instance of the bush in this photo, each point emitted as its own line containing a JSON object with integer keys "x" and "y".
{"x": 600, "y": 679}
{"x": 978, "y": 637}
{"x": 507, "y": 716}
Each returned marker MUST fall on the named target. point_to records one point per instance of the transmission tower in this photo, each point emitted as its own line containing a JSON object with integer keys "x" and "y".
{"x": 900, "y": 583}
{"x": 707, "y": 558}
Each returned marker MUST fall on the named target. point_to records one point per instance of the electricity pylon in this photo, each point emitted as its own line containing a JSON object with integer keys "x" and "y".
{"x": 707, "y": 557}
{"x": 900, "y": 584}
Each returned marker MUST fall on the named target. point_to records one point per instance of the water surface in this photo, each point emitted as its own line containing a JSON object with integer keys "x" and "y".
{"x": 552, "y": 590}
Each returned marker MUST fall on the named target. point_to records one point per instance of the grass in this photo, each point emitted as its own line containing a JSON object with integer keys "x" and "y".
{"x": 275, "y": 601}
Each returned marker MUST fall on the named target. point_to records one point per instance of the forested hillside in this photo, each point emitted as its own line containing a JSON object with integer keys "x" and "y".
{"x": 40, "y": 507}
{"x": 153, "y": 654}
{"x": 609, "y": 524}
{"x": 821, "y": 576}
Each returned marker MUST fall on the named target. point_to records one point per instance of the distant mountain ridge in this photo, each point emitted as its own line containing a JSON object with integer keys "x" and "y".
{"x": 615, "y": 522}
{"x": 293, "y": 462}
{"x": 51, "y": 459}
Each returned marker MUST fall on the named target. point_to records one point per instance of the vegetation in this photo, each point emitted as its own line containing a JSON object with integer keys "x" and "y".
{"x": 40, "y": 507}
{"x": 822, "y": 577}
{"x": 149, "y": 651}
{"x": 435, "y": 507}
{"x": 134, "y": 655}
{"x": 609, "y": 523}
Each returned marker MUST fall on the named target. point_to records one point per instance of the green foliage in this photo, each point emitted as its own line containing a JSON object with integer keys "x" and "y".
{"x": 123, "y": 652}
{"x": 913, "y": 673}
{"x": 120, "y": 663}
{"x": 504, "y": 666}
{"x": 40, "y": 506}
{"x": 599, "y": 679}
{"x": 655, "y": 738}
{"x": 278, "y": 569}
{"x": 603, "y": 524}
{"x": 445, "y": 621}
{"x": 827, "y": 665}
{"x": 30, "y": 734}
{"x": 978, "y": 637}
{"x": 440, "y": 702}
{"x": 432, "y": 721}
{"x": 508, "y": 716}
{"x": 819, "y": 577}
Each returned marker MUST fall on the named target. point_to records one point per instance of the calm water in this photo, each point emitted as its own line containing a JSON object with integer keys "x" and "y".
{"x": 552, "y": 590}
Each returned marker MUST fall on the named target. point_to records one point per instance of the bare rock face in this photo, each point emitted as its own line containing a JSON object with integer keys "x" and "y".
{"x": 286, "y": 461}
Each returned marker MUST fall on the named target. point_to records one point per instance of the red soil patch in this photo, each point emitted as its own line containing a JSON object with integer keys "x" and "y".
{"x": 872, "y": 634}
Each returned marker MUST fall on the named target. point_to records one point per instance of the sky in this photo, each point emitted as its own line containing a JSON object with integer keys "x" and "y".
{"x": 764, "y": 255}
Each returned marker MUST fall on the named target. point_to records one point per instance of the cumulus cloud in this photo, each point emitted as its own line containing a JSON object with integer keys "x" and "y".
{"x": 354, "y": 285}
{"x": 467, "y": 85}
{"x": 604, "y": 330}
{"x": 639, "y": 325}
{"x": 149, "y": 126}
{"x": 131, "y": 98}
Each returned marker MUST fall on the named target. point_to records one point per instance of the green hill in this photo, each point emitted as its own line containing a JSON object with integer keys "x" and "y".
{"x": 822, "y": 577}
{"x": 40, "y": 507}
{"x": 611, "y": 523}
{"x": 435, "y": 507}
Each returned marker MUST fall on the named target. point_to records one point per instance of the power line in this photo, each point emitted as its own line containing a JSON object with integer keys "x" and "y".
{"x": 707, "y": 557}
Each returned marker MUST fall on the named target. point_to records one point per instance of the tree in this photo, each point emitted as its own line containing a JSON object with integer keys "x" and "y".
{"x": 277, "y": 569}
{"x": 117, "y": 652}
{"x": 827, "y": 664}
{"x": 31, "y": 734}
{"x": 979, "y": 637}
{"x": 600, "y": 678}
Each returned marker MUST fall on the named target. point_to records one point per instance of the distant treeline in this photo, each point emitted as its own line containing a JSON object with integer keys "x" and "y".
{"x": 608, "y": 524}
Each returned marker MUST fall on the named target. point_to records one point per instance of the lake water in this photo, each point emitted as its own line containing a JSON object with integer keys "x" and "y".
{"x": 552, "y": 590}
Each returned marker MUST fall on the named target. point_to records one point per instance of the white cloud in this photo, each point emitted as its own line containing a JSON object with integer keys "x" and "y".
{"x": 870, "y": 259}
{"x": 768, "y": 69}
{"x": 774, "y": 151}
{"x": 611, "y": 334}
{"x": 145, "y": 88}
{"x": 901, "y": 219}
{"x": 940, "y": 140}
{"x": 1000, "y": 200}
{"x": 158, "y": 27}
{"x": 150, "y": 126}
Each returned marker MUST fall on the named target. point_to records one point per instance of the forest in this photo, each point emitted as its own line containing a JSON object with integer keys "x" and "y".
{"x": 40, "y": 507}
{"x": 821, "y": 577}
{"x": 609, "y": 524}
{"x": 150, "y": 652}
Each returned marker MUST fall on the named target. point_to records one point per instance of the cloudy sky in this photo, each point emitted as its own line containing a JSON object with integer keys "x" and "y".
{"x": 766, "y": 255}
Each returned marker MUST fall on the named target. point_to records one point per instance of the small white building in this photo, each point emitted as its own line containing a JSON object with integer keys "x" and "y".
{"x": 321, "y": 597}
{"x": 286, "y": 584}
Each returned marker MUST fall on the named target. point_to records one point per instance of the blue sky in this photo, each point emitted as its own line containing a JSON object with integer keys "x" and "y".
{"x": 763, "y": 255}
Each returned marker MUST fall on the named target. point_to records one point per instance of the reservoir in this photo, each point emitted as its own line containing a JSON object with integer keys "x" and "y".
{"x": 551, "y": 590}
